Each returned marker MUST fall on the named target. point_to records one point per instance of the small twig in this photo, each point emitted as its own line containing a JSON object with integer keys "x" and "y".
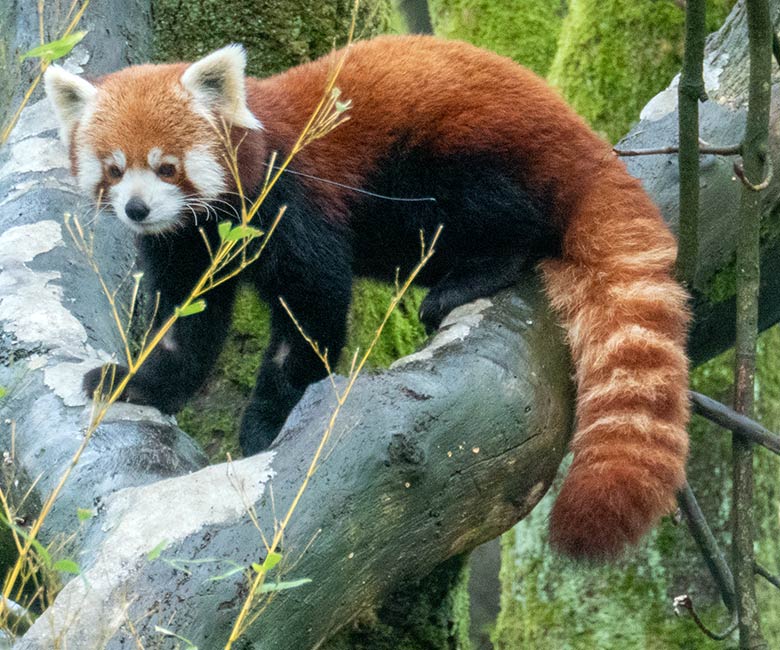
{"x": 690, "y": 93}
{"x": 704, "y": 148}
{"x": 776, "y": 47}
{"x": 686, "y": 602}
{"x": 739, "y": 172}
{"x": 771, "y": 579}
{"x": 728, "y": 418}
{"x": 708, "y": 546}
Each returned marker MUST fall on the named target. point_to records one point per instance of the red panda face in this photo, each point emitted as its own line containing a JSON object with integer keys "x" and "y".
{"x": 148, "y": 140}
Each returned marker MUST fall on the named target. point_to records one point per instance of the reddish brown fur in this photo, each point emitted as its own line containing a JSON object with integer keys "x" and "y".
{"x": 614, "y": 276}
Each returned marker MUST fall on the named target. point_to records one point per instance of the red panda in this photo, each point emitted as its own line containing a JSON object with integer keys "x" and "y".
{"x": 517, "y": 179}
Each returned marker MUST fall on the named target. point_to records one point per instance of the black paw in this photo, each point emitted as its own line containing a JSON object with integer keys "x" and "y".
{"x": 258, "y": 431}
{"x": 104, "y": 379}
{"x": 433, "y": 310}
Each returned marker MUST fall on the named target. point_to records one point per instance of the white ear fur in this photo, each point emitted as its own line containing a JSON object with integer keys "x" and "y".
{"x": 217, "y": 84}
{"x": 70, "y": 96}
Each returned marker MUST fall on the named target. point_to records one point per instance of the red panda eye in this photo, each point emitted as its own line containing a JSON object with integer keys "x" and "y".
{"x": 114, "y": 171}
{"x": 166, "y": 170}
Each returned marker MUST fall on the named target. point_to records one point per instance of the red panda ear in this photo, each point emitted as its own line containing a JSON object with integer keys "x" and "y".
{"x": 217, "y": 84}
{"x": 70, "y": 96}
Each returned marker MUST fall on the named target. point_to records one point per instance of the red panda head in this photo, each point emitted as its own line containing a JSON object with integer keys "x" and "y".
{"x": 148, "y": 139}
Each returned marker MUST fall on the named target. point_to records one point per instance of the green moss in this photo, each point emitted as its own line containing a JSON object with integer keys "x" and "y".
{"x": 403, "y": 333}
{"x": 524, "y": 30}
{"x": 430, "y": 614}
{"x": 9, "y": 66}
{"x": 723, "y": 284}
{"x": 614, "y": 55}
{"x": 767, "y": 472}
{"x": 278, "y": 34}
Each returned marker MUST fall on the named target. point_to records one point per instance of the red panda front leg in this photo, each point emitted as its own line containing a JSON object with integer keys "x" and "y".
{"x": 320, "y": 306}
{"x": 179, "y": 364}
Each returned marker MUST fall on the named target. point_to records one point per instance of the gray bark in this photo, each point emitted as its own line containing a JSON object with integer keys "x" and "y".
{"x": 442, "y": 452}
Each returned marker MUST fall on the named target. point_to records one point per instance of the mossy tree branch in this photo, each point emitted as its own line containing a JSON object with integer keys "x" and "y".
{"x": 755, "y": 155}
{"x": 690, "y": 93}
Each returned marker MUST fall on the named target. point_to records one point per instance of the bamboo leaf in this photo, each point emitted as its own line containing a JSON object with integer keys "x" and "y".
{"x": 195, "y": 307}
{"x": 232, "y": 571}
{"x": 152, "y": 555}
{"x": 268, "y": 587}
{"x": 67, "y": 566}
{"x": 271, "y": 560}
{"x": 242, "y": 232}
{"x": 166, "y": 632}
{"x": 224, "y": 228}
{"x": 54, "y": 50}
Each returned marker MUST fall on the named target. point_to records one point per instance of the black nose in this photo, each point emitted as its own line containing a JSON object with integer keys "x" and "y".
{"x": 136, "y": 209}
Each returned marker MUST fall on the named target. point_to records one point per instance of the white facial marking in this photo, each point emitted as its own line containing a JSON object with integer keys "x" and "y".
{"x": 282, "y": 352}
{"x": 154, "y": 157}
{"x": 119, "y": 159}
{"x": 90, "y": 169}
{"x": 204, "y": 172}
{"x": 165, "y": 200}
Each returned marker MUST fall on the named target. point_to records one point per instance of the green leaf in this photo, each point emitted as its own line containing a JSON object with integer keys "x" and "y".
{"x": 84, "y": 514}
{"x": 342, "y": 107}
{"x": 189, "y": 645}
{"x": 222, "y": 576}
{"x": 224, "y": 228}
{"x": 268, "y": 587}
{"x": 67, "y": 566}
{"x": 242, "y": 232}
{"x": 271, "y": 560}
{"x": 3, "y": 391}
{"x": 54, "y": 50}
{"x": 195, "y": 307}
{"x": 152, "y": 555}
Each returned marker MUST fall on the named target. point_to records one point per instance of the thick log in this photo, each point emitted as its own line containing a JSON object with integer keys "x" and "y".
{"x": 447, "y": 449}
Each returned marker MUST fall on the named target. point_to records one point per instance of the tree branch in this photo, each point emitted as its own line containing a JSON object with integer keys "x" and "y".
{"x": 754, "y": 153}
{"x": 739, "y": 424}
{"x": 771, "y": 579}
{"x": 686, "y": 602}
{"x": 690, "y": 92}
{"x": 708, "y": 546}
{"x": 704, "y": 148}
